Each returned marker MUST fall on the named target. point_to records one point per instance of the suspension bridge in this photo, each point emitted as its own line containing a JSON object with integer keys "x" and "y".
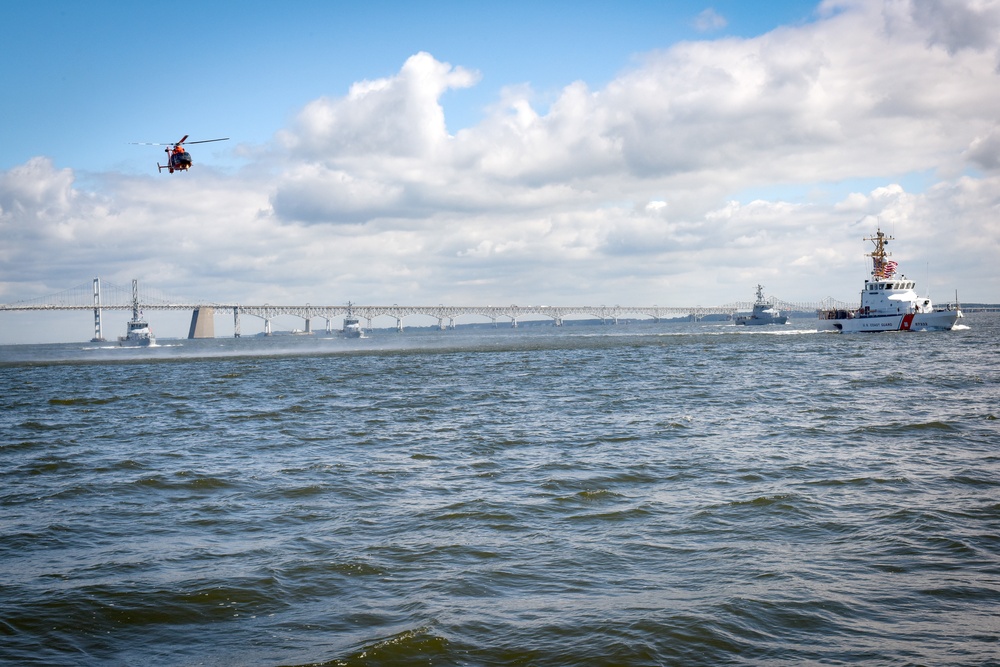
{"x": 100, "y": 295}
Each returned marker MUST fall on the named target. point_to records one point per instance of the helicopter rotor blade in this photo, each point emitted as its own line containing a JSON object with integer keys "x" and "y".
{"x": 175, "y": 143}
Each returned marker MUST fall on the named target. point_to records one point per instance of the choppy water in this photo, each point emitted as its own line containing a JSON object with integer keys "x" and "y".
{"x": 671, "y": 494}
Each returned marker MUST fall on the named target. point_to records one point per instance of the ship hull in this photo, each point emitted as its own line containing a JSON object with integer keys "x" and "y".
{"x": 757, "y": 321}
{"x": 135, "y": 342}
{"x": 941, "y": 320}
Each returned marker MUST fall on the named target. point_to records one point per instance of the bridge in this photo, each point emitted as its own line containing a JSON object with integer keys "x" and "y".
{"x": 101, "y": 295}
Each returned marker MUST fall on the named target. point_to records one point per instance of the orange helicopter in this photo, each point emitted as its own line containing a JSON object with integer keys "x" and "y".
{"x": 178, "y": 159}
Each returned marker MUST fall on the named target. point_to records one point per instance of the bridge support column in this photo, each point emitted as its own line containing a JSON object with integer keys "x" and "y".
{"x": 267, "y": 327}
{"x": 98, "y": 329}
{"x": 309, "y": 325}
{"x": 202, "y": 323}
{"x": 399, "y": 324}
{"x": 236, "y": 322}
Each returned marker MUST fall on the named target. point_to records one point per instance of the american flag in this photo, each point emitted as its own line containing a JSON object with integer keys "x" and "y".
{"x": 890, "y": 268}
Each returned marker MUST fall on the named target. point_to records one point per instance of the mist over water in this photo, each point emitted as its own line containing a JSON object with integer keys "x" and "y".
{"x": 619, "y": 495}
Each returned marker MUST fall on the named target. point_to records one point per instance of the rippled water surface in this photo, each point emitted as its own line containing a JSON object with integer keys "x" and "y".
{"x": 699, "y": 494}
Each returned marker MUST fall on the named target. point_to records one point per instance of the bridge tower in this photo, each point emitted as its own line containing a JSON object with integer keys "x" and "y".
{"x": 98, "y": 330}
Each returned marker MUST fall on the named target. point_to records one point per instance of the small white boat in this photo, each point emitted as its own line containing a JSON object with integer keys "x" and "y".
{"x": 138, "y": 333}
{"x": 763, "y": 312}
{"x": 889, "y": 302}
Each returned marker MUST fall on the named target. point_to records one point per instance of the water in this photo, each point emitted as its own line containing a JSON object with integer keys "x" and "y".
{"x": 668, "y": 494}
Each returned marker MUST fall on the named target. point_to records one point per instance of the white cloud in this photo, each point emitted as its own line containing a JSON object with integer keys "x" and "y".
{"x": 709, "y": 20}
{"x": 394, "y": 119}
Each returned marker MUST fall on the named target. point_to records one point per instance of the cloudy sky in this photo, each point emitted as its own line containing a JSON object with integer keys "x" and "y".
{"x": 627, "y": 152}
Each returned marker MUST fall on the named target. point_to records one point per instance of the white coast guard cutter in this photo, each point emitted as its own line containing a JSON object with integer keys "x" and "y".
{"x": 889, "y": 302}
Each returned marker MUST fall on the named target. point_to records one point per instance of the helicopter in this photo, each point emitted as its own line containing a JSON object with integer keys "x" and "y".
{"x": 178, "y": 159}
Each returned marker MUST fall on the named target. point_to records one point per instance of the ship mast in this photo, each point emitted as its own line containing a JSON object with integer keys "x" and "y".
{"x": 879, "y": 254}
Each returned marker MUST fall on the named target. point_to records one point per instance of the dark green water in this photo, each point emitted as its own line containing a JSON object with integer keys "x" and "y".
{"x": 672, "y": 494}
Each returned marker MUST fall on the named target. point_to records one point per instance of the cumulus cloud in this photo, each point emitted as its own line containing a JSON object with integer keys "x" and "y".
{"x": 846, "y": 97}
{"x": 394, "y": 118}
{"x": 35, "y": 193}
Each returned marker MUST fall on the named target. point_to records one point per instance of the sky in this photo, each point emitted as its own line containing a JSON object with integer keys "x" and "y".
{"x": 628, "y": 152}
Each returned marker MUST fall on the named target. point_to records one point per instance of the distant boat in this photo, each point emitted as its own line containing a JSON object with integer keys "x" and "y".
{"x": 138, "y": 333}
{"x": 352, "y": 327}
{"x": 889, "y": 302}
{"x": 763, "y": 312}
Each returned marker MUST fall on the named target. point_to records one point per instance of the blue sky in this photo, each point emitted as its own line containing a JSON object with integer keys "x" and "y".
{"x": 85, "y": 79}
{"x": 525, "y": 152}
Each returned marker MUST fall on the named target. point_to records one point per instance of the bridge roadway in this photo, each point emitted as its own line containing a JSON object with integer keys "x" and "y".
{"x": 446, "y": 316}
{"x": 103, "y": 295}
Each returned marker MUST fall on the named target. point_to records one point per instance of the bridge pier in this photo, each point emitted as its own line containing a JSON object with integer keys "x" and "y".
{"x": 202, "y": 323}
{"x": 98, "y": 329}
{"x": 236, "y": 322}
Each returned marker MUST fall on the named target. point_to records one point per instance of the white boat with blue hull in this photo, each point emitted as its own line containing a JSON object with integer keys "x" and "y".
{"x": 889, "y": 302}
{"x": 138, "y": 333}
{"x": 763, "y": 312}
